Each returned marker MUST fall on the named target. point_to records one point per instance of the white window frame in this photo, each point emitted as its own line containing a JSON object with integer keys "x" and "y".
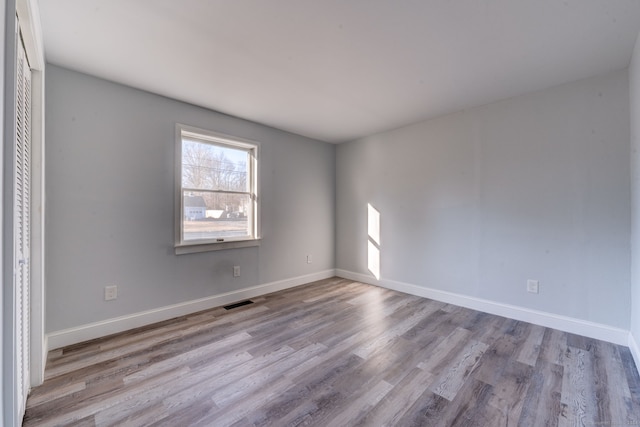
{"x": 219, "y": 139}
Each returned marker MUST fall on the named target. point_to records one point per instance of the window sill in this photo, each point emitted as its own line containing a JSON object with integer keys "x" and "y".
{"x": 207, "y": 247}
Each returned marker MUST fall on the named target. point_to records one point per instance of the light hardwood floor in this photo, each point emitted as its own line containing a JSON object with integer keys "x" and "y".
{"x": 339, "y": 353}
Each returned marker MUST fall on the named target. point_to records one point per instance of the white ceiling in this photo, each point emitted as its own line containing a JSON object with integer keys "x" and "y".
{"x": 336, "y": 70}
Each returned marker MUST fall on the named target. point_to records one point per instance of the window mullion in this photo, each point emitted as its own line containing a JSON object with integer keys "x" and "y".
{"x": 202, "y": 190}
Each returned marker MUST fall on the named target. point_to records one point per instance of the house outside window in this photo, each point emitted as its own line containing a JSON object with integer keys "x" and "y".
{"x": 195, "y": 208}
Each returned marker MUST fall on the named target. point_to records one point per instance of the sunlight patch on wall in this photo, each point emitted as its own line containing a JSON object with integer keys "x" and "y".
{"x": 373, "y": 248}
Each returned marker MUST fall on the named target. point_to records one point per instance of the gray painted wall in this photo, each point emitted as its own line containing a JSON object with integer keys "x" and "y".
{"x": 634, "y": 91}
{"x": 477, "y": 202}
{"x": 110, "y": 194}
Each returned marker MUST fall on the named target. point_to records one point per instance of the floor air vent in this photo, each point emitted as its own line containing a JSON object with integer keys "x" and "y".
{"x": 238, "y": 304}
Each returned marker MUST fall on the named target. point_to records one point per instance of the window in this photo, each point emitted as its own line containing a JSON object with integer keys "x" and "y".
{"x": 217, "y": 200}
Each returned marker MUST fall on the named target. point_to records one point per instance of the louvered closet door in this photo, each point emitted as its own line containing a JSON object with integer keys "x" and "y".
{"x": 22, "y": 215}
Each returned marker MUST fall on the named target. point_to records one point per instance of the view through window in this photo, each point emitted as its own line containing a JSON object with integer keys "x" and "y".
{"x": 218, "y": 188}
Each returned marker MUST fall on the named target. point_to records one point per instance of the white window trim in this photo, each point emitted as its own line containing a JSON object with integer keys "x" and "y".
{"x": 182, "y": 247}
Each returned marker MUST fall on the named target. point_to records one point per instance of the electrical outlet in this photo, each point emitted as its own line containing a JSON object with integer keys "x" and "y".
{"x": 236, "y": 271}
{"x": 309, "y": 259}
{"x": 532, "y": 286}
{"x": 110, "y": 293}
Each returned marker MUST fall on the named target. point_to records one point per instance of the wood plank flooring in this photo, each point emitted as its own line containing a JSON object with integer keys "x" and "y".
{"x": 339, "y": 353}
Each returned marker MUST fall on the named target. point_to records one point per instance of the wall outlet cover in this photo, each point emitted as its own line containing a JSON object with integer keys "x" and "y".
{"x": 110, "y": 293}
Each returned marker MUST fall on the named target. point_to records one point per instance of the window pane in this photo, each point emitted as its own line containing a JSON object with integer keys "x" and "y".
{"x": 212, "y": 167}
{"x": 210, "y": 216}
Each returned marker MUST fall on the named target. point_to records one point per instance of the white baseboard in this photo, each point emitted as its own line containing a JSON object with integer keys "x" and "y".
{"x": 119, "y": 324}
{"x": 90, "y": 331}
{"x": 555, "y": 321}
{"x": 635, "y": 350}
